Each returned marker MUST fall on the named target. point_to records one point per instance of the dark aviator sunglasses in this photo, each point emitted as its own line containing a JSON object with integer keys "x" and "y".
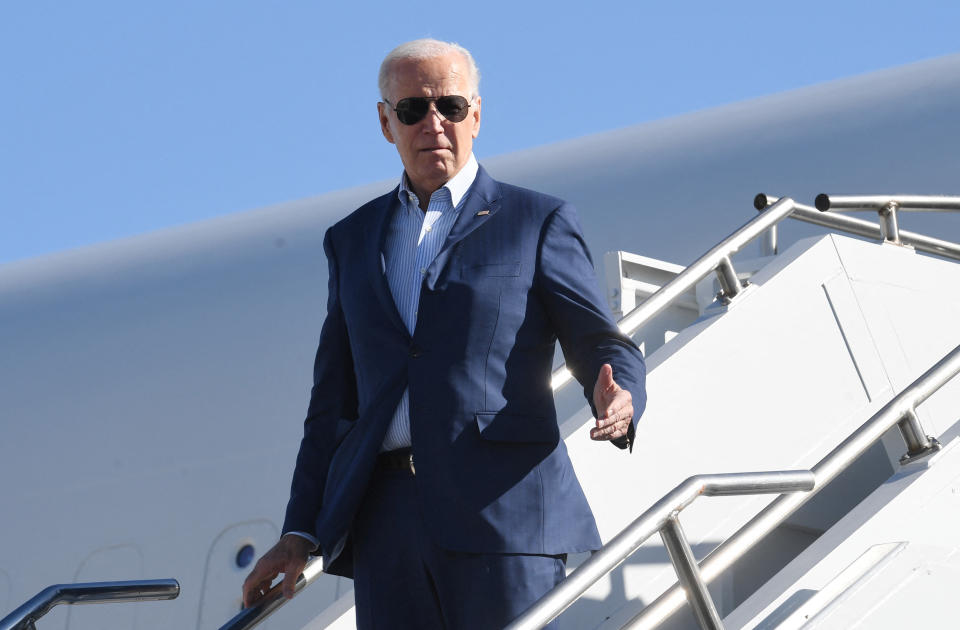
{"x": 413, "y": 109}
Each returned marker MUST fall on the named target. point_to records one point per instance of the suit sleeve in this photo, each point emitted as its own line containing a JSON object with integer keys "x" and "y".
{"x": 587, "y": 333}
{"x": 333, "y": 401}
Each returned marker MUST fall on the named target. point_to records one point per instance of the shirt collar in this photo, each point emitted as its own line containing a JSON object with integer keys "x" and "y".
{"x": 458, "y": 185}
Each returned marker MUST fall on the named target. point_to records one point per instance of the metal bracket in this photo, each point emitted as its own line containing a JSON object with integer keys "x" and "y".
{"x": 730, "y": 284}
{"x": 919, "y": 444}
{"x": 924, "y": 452}
{"x": 889, "y": 227}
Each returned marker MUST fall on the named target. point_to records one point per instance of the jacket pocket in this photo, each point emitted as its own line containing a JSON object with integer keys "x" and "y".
{"x": 498, "y": 426}
{"x": 492, "y": 270}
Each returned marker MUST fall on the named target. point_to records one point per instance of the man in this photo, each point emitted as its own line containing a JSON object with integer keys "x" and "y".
{"x": 431, "y": 469}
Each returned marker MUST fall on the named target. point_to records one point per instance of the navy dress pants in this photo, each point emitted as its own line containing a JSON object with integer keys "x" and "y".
{"x": 402, "y": 581}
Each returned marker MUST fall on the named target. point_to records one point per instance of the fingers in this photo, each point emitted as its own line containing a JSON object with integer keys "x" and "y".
{"x": 619, "y": 405}
{"x": 610, "y": 429}
{"x": 289, "y": 584}
{"x": 252, "y": 594}
{"x": 290, "y": 577}
{"x": 615, "y": 420}
{"x": 289, "y": 557}
{"x": 257, "y": 584}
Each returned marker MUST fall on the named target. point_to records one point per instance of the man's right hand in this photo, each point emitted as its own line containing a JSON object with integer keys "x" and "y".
{"x": 289, "y": 556}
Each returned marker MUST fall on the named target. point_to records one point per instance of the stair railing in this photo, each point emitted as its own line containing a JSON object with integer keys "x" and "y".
{"x": 886, "y": 207}
{"x": 26, "y": 616}
{"x": 887, "y": 230}
{"x": 900, "y": 412}
{"x": 663, "y": 518}
{"x": 717, "y": 260}
{"x": 773, "y": 211}
{"x": 273, "y": 599}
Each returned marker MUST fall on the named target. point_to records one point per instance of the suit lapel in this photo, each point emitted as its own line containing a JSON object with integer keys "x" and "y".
{"x": 377, "y": 228}
{"x": 483, "y": 201}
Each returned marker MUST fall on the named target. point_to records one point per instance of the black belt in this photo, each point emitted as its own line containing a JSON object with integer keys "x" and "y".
{"x": 399, "y": 459}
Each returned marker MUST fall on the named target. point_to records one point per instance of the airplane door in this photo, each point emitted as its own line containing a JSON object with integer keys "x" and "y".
{"x": 230, "y": 559}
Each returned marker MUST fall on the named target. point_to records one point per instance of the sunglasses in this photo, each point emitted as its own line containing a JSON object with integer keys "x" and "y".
{"x": 413, "y": 109}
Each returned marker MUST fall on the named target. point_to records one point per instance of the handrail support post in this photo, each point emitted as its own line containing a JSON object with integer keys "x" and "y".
{"x": 888, "y": 223}
{"x": 730, "y": 286}
{"x": 689, "y": 573}
{"x": 919, "y": 444}
{"x": 768, "y": 244}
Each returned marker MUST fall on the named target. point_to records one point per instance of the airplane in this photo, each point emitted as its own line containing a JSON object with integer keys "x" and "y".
{"x": 152, "y": 388}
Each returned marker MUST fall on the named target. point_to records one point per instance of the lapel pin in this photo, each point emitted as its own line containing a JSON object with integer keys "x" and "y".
{"x": 483, "y": 212}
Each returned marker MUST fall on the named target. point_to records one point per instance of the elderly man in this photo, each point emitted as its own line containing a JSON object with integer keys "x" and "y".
{"x": 431, "y": 468}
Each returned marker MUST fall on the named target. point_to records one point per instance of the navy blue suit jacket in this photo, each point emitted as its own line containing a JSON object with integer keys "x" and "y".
{"x": 513, "y": 276}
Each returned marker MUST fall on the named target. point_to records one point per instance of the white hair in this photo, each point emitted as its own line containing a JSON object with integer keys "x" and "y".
{"x": 427, "y": 49}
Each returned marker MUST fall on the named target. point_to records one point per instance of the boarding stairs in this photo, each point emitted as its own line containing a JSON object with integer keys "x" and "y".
{"x": 807, "y": 365}
{"x": 777, "y": 364}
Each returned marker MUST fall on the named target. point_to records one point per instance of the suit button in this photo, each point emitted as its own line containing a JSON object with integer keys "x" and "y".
{"x": 415, "y": 351}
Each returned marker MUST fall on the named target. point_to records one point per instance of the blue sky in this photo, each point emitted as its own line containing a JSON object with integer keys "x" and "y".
{"x": 124, "y": 117}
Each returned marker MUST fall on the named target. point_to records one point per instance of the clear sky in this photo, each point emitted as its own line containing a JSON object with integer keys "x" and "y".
{"x": 123, "y": 117}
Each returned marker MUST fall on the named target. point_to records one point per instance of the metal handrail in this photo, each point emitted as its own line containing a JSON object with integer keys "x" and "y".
{"x": 273, "y": 599}
{"x": 868, "y": 229}
{"x": 887, "y": 207}
{"x": 910, "y": 203}
{"x": 773, "y": 210}
{"x": 716, "y": 260}
{"x": 662, "y": 517}
{"x": 900, "y": 411}
{"x": 26, "y": 616}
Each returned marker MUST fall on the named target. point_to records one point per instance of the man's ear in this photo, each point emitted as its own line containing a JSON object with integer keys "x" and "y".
{"x": 475, "y": 117}
{"x": 384, "y": 113}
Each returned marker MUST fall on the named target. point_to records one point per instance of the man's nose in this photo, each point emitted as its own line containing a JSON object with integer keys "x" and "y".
{"x": 434, "y": 119}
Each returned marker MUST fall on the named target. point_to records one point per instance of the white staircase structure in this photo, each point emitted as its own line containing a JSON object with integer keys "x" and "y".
{"x": 891, "y": 561}
{"x": 766, "y": 367}
{"x": 822, "y": 337}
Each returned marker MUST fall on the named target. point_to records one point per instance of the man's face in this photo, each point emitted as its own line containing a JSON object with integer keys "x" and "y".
{"x": 434, "y": 149}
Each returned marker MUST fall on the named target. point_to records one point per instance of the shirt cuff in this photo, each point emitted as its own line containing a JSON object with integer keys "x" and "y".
{"x": 316, "y": 543}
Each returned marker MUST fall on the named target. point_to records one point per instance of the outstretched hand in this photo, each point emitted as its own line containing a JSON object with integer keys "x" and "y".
{"x": 614, "y": 407}
{"x": 289, "y": 556}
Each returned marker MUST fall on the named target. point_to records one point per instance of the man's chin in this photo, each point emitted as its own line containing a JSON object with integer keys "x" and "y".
{"x": 435, "y": 161}
{"x": 436, "y": 171}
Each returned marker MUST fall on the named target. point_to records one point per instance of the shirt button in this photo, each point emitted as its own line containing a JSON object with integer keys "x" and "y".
{"x": 428, "y": 228}
{"x": 423, "y": 271}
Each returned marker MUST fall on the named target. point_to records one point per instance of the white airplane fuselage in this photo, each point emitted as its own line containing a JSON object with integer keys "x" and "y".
{"x": 152, "y": 389}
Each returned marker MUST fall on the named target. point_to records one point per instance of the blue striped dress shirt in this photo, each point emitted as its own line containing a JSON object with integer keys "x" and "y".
{"x": 413, "y": 241}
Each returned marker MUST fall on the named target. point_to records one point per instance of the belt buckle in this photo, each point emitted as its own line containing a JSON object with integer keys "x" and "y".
{"x": 413, "y": 471}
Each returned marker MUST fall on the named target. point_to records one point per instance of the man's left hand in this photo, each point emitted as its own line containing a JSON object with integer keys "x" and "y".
{"x": 614, "y": 407}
